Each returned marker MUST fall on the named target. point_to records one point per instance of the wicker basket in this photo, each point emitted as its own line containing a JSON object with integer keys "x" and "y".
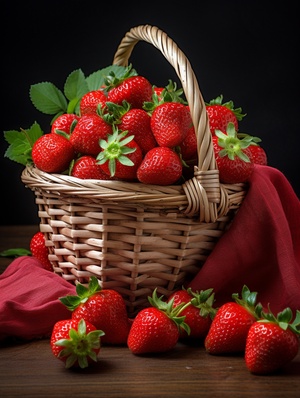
{"x": 135, "y": 237}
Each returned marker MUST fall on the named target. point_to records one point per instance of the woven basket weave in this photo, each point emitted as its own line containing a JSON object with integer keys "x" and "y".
{"x": 135, "y": 237}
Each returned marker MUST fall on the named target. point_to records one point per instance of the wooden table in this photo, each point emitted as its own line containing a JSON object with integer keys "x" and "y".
{"x": 29, "y": 369}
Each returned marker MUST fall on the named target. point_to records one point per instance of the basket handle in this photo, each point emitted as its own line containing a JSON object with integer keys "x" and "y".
{"x": 206, "y": 174}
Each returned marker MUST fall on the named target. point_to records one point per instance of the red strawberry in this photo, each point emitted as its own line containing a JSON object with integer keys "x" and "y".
{"x": 39, "y": 250}
{"x": 188, "y": 147}
{"x": 272, "y": 342}
{"x": 91, "y": 101}
{"x": 120, "y": 156}
{"x": 156, "y": 329}
{"x": 104, "y": 308}
{"x": 87, "y": 133}
{"x": 134, "y": 89}
{"x": 160, "y": 166}
{"x": 137, "y": 123}
{"x": 199, "y": 314}
{"x": 170, "y": 122}
{"x": 64, "y": 123}
{"x": 75, "y": 342}
{"x": 87, "y": 167}
{"x": 230, "y": 326}
{"x": 233, "y": 156}
{"x": 219, "y": 114}
{"x": 52, "y": 153}
{"x": 258, "y": 154}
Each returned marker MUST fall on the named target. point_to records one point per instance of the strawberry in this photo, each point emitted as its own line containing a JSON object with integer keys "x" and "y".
{"x": 136, "y": 122}
{"x": 160, "y": 166}
{"x": 86, "y": 167}
{"x": 199, "y": 314}
{"x": 120, "y": 155}
{"x": 64, "y": 123}
{"x": 91, "y": 101}
{"x": 39, "y": 250}
{"x": 258, "y": 154}
{"x": 220, "y": 114}
{"x": 156, "y": 329}
{"x": 134, "y": 89}
{"x": 170, "y": 122}
{"x": 52, "y": 153}
{"x": 272, "y": 342}
{"x": 75, "y": 342}
{"x": 104, "y": 308}
{"x": 88, "y": 131}
{"x": 233, "y": 156}
{"x": 188, "y": 147}
{"x": 230, "y": 326}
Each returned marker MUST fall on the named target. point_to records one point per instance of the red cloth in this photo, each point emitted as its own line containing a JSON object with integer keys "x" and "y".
{"x": 29, "y": 300}
{"x": 261, "y": 249}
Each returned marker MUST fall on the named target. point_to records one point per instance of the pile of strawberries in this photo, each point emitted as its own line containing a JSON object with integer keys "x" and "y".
{"x": 238, "y": 327}
{"x": 124, "y": 128}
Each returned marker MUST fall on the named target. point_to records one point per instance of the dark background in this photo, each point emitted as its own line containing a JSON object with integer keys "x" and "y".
{"x": 247, "y": 51}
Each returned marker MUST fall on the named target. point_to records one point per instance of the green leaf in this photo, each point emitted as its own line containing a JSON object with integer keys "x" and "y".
{"x": 17, "y": 252}
{"x": 75, "y": 85}
{"x": 97, "y": 79}
{"x": 21, "y": 143}
{"x": 47, "y": 98}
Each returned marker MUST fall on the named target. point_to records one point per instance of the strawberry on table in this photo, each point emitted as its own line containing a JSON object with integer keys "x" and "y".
{"x": 160, "y": 166}
{"x": 199, "y": 314}
{"x": 230, "y": 326}
{"x": 233, "y": 156}
{"x": 39, "y": 250}
{"x": 104, "y": 308}
{"x": 75, "y": 342}
{"x": 156, "y": 329}
{"x": 272, "y": 342}
{"x": 220, "y": 114}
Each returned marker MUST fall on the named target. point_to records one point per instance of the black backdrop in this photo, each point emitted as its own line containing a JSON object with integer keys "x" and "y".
{"x": 246, "y": 51}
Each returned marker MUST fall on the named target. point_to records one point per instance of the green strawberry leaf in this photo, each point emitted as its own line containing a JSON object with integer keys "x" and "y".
{"x": 47, "y": 98}
{"x": 21, "y": 143}
{"x": 75, "y": 85}
{"x": 18, "y": 252}
{"x": 97, "y": 79}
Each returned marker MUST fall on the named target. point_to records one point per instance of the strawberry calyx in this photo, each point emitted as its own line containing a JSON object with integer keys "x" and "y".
{"x": 204, "y": 301}
{"x": 112, "y": 80}
{"x": 248, "y": 301}
{"x": 284, "y": 319}
{"x": 115, "y": 149}
{"x": 170, "y": 93}
{"x": 172, "y": 312}
{"x": 229, "y": 104}
{"x": 231, "y": 144}
{"x": 116, "y": 111}
{"x": 80, "y": 346}
{"x": 83, "y": 294}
